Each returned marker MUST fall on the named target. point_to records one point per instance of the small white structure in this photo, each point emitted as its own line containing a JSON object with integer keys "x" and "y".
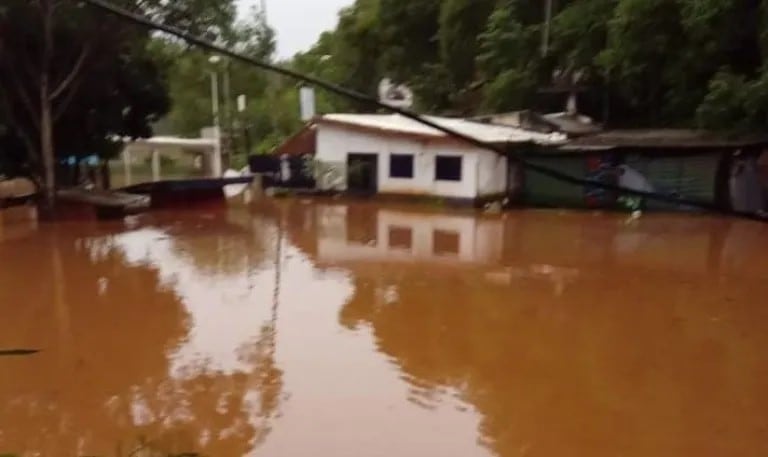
{"x": 208, "y": 147}
{"x": 391, "y": 154}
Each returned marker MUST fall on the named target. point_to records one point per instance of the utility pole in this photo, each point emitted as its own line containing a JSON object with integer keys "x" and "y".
{"x": 242, "y": 123}
{"x": 216, "y": 122}
{"x": 228, "y": 111}
{"x": 547, "y": 29}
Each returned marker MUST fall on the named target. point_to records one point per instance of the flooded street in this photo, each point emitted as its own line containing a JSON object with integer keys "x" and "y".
{"x": 345, "y": 330}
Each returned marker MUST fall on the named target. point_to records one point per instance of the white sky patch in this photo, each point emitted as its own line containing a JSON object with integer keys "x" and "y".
{"x": 298, "y": 23}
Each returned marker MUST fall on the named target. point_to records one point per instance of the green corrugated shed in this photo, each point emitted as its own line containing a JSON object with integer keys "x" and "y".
{"x": 690, "y": 177}
{"x": 540, "y": 190}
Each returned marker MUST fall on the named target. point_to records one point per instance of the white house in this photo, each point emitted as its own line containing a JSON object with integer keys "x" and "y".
{"x": 391, "y": 154}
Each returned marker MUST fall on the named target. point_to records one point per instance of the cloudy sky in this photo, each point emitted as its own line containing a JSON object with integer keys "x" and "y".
{"x": 298, "y": 22}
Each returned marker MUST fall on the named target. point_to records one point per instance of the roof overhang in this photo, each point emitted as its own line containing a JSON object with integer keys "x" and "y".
{"x": 196, "y": 144}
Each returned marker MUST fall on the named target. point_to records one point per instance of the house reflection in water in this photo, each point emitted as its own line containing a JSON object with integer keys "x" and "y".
{"x": 307, "y": 329}
{"x": 567, "y": 333}
{"x": 355, "y": 233}
{"x": 555, "y": 247}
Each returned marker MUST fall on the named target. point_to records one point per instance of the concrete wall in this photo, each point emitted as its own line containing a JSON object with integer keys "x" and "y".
{"x": 492, "y": 174}
{"x": 483, "y": 173}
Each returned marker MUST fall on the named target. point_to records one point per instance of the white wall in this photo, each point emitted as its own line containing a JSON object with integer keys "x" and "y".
{"x": 479, "y": 240}
{"x": 492, "y": 174}
{"x": 483, "y": 172}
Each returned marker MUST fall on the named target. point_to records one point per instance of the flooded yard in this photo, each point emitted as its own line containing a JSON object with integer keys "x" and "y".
{"x": 345, "y": 330}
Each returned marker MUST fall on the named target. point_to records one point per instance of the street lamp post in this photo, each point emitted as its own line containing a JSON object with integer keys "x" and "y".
{"x": 228, "y": 112}
{"x": 547, "y": 30}
{"x": 217, "y": 168}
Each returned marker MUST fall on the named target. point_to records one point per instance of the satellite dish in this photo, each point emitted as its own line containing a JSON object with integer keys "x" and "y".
{"x": 395, "y": 95}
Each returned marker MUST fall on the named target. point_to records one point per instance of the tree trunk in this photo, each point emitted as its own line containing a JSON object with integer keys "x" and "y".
{"x": 46, "y": 114}
{"x": 46, "y": 144}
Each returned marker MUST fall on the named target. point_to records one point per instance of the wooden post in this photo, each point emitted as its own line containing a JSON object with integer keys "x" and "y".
{"x": 155, "y": 165}
{"x": 257, "y": 185}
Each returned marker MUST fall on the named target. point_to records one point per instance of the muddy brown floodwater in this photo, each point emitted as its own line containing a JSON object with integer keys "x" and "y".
{"x": 346, "y": 330}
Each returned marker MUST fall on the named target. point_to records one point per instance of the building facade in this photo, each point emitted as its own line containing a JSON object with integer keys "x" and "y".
{"x": 391, "y": 155}
{"x": 402, "y": 165}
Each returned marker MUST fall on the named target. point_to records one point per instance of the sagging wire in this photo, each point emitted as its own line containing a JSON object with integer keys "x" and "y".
{"x": 144, "y": 21}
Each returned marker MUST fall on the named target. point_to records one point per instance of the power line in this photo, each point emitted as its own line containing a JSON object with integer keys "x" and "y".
{"x": 367, "y": 100}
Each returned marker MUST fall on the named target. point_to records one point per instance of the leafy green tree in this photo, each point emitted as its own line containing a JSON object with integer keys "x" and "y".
{"x": 409, "y": 37}
{"x": 642, "y": 57}
{"x": 357, "y": 46}
{"x": 461, "y": 22}
{"x": 509, "y": 59}
{"x": 190, "y": 72}
{"x": 411, "y": 52}
{"x": 632, "y": 63}
{"x": 73, "y": 80}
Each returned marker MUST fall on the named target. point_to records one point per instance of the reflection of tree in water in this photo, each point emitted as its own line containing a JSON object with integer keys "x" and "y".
{"x": 102, "y": 385}
{"x": 605, "y": 370}
{"x": 217, "y": 243}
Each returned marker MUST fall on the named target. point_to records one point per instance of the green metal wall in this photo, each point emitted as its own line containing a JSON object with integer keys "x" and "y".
{"x": 540, "y": 190}
{"x": 692, "y": 177}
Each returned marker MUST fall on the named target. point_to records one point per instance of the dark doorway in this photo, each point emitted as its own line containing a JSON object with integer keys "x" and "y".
{"x": 362, "y": 226}
{"x": 362, "y": 173}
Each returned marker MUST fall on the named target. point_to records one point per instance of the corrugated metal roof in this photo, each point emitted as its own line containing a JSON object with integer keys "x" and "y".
{"x": 173, "y": 141}
{"x": 488, "y": 133}
{"x": 572, "y": 124}
{"x": 663, "y": 138}
{"x": 565, "y": 123}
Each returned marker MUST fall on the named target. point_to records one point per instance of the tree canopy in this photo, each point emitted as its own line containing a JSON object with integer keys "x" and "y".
{"x": 189, "y": 77}
{"x": 74, "y": 81}
{"x": 631, "y": 62}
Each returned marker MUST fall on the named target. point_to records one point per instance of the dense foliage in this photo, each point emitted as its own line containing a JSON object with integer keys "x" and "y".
{"x": 73, "y": 81}
{"x": 632, "y": 62}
